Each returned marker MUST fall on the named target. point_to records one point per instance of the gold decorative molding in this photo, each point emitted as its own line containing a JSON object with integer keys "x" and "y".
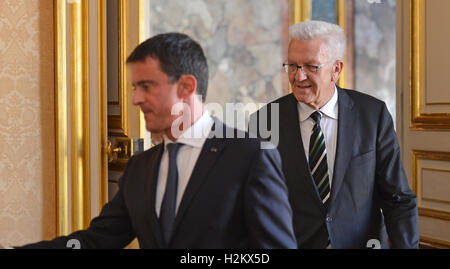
{"x": 340, "y": 17}
{"x": 418, "y": 155}
{"x": 118, "y": 124}
{"x": 102, "y": 100}
{"x": 434, "y": 243}
{"x": 434, "y": 214}
{"x": 123, "y": 51}
{"x": 142, "y": 26}
{"x": 299, "y": 10}
{"x": 420, "y": 120}
{"x": 142, "y": 37}
{"x": 340, "y": 13}
{"x": 79, "y": 111}
{"x": 62, "y": 193}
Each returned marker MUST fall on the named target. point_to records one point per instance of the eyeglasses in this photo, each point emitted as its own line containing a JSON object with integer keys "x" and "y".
{"x": 307, "y": 69}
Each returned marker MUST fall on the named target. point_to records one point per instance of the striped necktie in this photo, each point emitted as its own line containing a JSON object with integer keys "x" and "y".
{"x": 318, "y": 160}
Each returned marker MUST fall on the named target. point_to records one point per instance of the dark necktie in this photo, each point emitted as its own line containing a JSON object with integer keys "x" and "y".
{"x": 318, "y": 162}
{"x": 169, "y": 202}
{"x": 318, "y": 159}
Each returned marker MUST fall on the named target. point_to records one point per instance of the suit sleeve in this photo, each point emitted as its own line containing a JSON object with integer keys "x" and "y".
{"x": 111, "y": 229}
{"x": 397, "y": 201}
{"x": 268, "y": 214}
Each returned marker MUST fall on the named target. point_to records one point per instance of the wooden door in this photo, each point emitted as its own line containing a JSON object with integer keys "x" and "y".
{"x": 423, "y": 114}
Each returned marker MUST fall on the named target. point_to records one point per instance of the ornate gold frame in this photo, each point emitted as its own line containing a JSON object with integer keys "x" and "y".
{"x": 102, "y": 103}
{"x": 420, "y": 120}
{"x": 78, "y": 91}
{"x": 418, "y": 155}
{"x": 72, "y": 102}
{"x": 340, "y": 17}
{"x": 142, "y": 37}
{"x": 79, "y": 113}
{"x": 120, "y": 123}
{"x": 141, "y": 19}
{"x": 62, "y": 180}
{"x": 299, "y": 10}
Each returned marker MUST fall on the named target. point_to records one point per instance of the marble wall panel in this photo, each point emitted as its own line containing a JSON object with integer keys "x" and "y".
{"x": 242, "y": 40}
{"x": 375, "y": 50}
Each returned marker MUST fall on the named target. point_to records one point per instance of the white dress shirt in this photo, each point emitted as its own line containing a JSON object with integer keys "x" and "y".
{"x": 328, "y": 124}
{"x": 192, "y": 140}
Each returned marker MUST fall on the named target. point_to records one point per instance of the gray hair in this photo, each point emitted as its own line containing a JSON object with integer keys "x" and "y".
{"x": 331, "y": 33}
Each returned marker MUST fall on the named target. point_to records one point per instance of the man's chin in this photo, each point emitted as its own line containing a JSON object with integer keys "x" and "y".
{"x": 302, "y": 97}
{"x": 153, "y": 129}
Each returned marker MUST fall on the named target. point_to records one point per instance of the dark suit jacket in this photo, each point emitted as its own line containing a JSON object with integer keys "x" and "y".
{"x": 236, "y": 198}
{"x": 368, "y": 183}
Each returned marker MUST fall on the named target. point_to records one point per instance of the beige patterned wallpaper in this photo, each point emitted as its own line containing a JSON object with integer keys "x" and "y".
{"x": 27, "y": 140}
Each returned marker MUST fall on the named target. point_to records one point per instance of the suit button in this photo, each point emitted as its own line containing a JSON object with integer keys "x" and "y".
{"x": 329, "y": 219}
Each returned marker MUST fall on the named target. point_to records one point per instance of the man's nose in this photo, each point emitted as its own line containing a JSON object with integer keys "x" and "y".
{"x": 137, "y": 98}
{"x": 300, "y": 75}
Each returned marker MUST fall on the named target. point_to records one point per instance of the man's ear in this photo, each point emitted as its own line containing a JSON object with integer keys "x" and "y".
{"x": 187, "y": 86}
{"x": 336, "y": 71}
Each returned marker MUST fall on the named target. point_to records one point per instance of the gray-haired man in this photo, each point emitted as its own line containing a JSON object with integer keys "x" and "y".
{"x": 339, "y": 150}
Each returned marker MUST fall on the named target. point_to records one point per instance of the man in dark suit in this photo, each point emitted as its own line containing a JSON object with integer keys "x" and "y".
{"x": 339, "y": 152}
{"x": 197, "y": 189}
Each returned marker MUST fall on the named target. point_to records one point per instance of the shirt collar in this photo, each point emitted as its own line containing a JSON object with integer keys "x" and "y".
{"x": 330, "y": 109}
{"x": 196, "y": 135}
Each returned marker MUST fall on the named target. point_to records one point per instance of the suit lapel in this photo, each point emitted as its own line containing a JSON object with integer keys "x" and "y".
{"x": 346, "y": 122}
{"x": 151, "y": 178}
{"x": 205, "y": 162}
{"x": 289, "y": 117}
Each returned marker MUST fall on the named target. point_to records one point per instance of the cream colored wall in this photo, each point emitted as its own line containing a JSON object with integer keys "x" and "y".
{"x": 27, "y": 147}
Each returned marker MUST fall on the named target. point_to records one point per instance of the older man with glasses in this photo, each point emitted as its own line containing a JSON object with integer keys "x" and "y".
{"x": 340, "y": 154}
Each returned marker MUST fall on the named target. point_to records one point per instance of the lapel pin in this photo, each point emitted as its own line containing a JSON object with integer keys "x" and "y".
{"x": 213, "y": 149}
